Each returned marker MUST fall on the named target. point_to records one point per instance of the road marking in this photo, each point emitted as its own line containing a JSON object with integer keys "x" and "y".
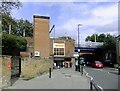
{"x": 100, "y": 87}
{"x": 98, "y": 69}
{"x": 91, "y": 78}
{"x": 87, "y": 74}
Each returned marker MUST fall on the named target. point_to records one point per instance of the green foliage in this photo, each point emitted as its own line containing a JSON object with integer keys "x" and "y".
{"x": 12, "y": 44}
{"x": 109, "y": 45}
{"x": 6, "y": 7}
{"x": 17, "y": 26}
{"x": 24, "y": 25}
{"x": 65, "y": 37}
{"x": 6, "y": 21}
{"x": 99, "y": 38}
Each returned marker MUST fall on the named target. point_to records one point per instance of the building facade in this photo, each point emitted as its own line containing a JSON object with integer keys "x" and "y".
{"x": 41, "y": 36}
{"x": 62, "y": 50}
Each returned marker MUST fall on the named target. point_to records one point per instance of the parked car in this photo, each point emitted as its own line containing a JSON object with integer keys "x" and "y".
{"x": 88, "y": 63}
{"x": 97, "y": 64}
{"x": 108, "y": 63}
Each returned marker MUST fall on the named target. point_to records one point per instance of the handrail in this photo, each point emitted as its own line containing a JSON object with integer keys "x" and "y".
{"x": 96, "y": 87}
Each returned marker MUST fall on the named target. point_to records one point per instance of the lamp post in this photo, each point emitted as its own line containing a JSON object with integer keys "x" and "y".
{"x": 78, "y": 34}
{"x": 78, "y": 68}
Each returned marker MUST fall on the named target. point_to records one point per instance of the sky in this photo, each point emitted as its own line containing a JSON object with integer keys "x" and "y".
{"x": 95, "y": 17}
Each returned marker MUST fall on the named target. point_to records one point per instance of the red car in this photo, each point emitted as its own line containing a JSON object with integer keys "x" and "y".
{"x": 97, "y": 64}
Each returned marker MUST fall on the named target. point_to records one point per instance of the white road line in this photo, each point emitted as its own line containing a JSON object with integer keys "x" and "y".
{"x": 91, "y": 78}
{"x": 98, "y": 69}
{"x": 86, "y": 73}
{"x": 100, "y": 87}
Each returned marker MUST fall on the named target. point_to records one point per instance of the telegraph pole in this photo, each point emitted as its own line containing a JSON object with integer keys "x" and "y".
{"x": 9, "y": 29}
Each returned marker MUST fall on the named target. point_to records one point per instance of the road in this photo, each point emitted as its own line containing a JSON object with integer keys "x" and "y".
{"x": 104, "y": 77}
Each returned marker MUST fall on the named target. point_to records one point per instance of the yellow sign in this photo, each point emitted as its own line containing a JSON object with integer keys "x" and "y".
{"x": 59, "y": 45}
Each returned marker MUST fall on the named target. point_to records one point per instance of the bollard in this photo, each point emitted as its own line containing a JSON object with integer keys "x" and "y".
{"x": 91, "y": 86}
{"x": 49, "y": 72}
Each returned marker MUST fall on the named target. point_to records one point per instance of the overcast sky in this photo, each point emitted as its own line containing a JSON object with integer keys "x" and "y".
{"x": 95, "y": 17}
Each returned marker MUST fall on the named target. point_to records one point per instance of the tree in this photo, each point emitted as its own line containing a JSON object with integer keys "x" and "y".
{"x": 92, "y": 38}
{"x": 88, "y": 38}
{"x": 6, "y": 22}
{"x": 12, "y": 45}
{"x": 101, "y": 38}
{"x": 6, "y": 6}
{"x": 65, "y": 37}
{"x": 24, "y": 25}
{"x": 17, "y": 26}
{"x": 109, "y": 45}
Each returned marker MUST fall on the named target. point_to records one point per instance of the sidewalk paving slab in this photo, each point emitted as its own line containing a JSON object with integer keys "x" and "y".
{"x": 64, "y": 78}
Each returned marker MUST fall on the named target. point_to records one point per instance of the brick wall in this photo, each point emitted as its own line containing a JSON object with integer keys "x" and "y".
{"x": 69, "y": 47}
{"x": 6, "y": 72}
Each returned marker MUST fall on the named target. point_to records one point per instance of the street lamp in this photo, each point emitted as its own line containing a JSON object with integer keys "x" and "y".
{"x": 78, "y": 34}
{"x": 78, "y": 49}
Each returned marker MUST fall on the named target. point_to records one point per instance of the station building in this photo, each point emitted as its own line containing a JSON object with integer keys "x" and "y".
{"x": 60, "y": 49}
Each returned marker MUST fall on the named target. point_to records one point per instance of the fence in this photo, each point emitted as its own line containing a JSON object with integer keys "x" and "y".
{"x": 94, "y": 86}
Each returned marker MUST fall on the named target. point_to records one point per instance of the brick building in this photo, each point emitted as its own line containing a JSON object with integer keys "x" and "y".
{"x": 41, "y": 45}
{"x": 63, "y": 50}
{"x": 41, "y": 36}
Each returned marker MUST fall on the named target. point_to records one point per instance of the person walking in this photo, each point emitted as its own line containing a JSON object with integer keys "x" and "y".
{"x": 76, "y": 64}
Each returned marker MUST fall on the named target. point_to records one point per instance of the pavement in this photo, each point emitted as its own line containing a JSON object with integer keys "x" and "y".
{"x": 64, "y": 78}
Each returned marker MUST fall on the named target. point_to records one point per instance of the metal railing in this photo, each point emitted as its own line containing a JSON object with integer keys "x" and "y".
{"x": 95, "y": 87}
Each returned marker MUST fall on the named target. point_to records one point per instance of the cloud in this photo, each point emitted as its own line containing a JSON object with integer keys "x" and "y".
{"x": 69, "y": 0}
{"x": 96, "y": 17}
{"x": 102, "y": 19}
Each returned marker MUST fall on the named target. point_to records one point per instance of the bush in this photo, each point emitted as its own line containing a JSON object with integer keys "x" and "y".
{"x": 12, "y": 45}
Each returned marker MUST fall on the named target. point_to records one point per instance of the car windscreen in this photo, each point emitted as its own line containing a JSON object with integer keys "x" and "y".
{"x": 98, "y": 62}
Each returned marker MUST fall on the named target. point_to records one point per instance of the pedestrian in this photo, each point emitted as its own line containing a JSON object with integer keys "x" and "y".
{"x": 54, "y": 65}
{"x": 63, "y": 64}
{"x": 76, "y": 64}
{"x": 79, "y": 63}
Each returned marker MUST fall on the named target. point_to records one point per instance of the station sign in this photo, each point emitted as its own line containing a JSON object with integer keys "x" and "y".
{"x": 59, "y": 45}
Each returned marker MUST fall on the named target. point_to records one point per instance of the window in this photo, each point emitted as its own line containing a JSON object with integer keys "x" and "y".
{"x": 59, "y": 51}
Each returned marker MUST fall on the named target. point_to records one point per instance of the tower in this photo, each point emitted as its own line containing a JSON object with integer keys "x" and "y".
{"x": 41, "y": 36}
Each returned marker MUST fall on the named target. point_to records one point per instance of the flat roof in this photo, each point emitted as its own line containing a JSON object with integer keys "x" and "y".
{"x": 44, "y": 17}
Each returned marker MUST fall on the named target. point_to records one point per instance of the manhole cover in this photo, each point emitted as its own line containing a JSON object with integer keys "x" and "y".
{"x": 67, "y": 75}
